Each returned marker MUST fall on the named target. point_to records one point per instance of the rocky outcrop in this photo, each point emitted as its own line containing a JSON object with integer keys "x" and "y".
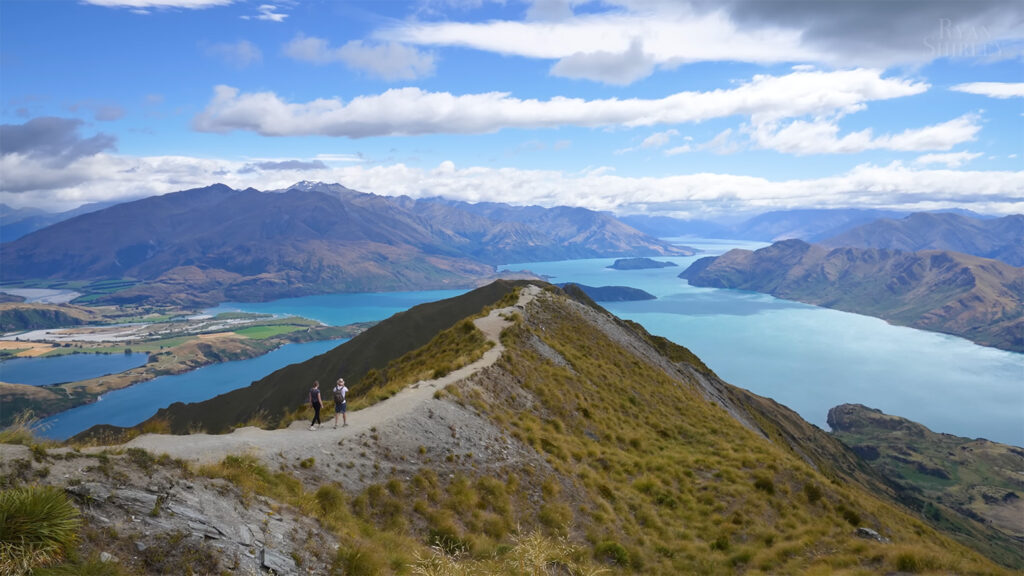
{"x": 168, "y": 521}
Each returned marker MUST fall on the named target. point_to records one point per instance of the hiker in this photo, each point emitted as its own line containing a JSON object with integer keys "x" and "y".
{"x": 314, "y": 399}
{"x": 340, "y": 403}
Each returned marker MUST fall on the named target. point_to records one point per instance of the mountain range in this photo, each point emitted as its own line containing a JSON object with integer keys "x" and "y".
{"x": 212, "y": 244}
{"x": 997, "y": 238}
{"x": 600, "y": 433}
{"x": 976, "y": 298}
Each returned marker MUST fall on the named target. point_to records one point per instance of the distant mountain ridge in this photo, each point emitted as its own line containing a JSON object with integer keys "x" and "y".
{"x": 211, "y": 244}
{"x": 15, "y": 223}
{"x": 998, "y": 238}
{"x": 968, "y": 296}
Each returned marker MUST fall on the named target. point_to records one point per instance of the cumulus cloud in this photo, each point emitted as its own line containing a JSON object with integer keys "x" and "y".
{"x": 608, "y": 40}
{"x": 105, "y": 177}
{"x": 619, "y": 69}
{"x": 241, "y": 54}
{"x": 407, "y": 111}
{"x": 387, "y": 60}
{"x": 821, "y": 136}
{"x": 1000, "y": 90}
{"x": 50, "y": 141}
{"x": 949, "y": 159}
{"x": 890, "y": 33}
{"x": 844, "y": 34}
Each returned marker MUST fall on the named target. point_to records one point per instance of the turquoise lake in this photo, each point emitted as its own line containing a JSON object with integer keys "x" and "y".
{"x": 70, "y": 368}
{"x": 129, "y": 406}
{"x": 808, "y": 358}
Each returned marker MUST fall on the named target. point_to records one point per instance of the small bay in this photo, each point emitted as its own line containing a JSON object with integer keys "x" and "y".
{"x": 43, "y": 371}
{"x": 129, "y": 406}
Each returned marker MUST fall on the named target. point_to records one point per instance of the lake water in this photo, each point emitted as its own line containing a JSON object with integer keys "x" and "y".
{"x": 341, "y": 309}
{"x": 811, "y": 359}
{"x": 129, "y": 406}
{"x": 70, "y": 368}
{"x": 808, "y": 358}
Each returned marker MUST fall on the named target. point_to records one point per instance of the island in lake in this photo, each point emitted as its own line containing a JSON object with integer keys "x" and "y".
{"x": 639, "y": 264}
{"x": 612, "y": 293}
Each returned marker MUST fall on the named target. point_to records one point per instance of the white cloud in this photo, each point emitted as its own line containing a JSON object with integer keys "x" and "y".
{"x": 619, "y": 69}
{"x": 659, "y": 139}
{"x": 821, "y": 136}
{"x": 1000, "y": 90}
{"x": 669, "y": 39}
{"x": 950, "y": 159}
{"x": 677, "y": 32}
{"x": 267, "y": 14}
{"x": 407, "y": 111}
{"x": 241, "y": 54}
{"x": 144, "y": 4}
{"x": 387, "y": 60}
{"x": 105, "y": 176}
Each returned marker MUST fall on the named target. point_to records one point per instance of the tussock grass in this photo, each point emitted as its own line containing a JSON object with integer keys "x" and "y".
{"x": 659, "y": 481}
{"x": 38, "y": 526}
{"x": 529, "y": 555}
{"x": 23, "y": 430}
{"x": 642, "y": 476}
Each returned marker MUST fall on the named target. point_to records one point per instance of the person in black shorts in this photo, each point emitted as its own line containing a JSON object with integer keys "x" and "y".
{"x": 340, "y": 403}
{"x": 314, "y": 399}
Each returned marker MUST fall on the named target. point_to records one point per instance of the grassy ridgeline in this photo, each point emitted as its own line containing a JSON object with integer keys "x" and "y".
{"x": 644, "y": 473}
{"x": 275, "y": 396}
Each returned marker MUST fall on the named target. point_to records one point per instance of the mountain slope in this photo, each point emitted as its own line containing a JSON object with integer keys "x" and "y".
{"x": 976, "y": 298}
{"x": 997, "y": 238}
{"x": 588, "y": 427}
{"x": 807, "y": 225}
{"x": 976, "y": 477}
{"x": 212, "y": 244}
{"x": 16, "y": 223}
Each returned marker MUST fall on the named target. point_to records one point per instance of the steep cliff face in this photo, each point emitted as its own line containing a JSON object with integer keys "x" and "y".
{"x": 976, "y": 298}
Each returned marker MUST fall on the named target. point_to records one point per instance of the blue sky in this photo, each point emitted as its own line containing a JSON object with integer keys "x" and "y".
{"x": 695, "y": 110}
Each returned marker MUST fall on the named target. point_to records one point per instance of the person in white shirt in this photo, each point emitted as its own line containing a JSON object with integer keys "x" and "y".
{"x": 340, "y": 392}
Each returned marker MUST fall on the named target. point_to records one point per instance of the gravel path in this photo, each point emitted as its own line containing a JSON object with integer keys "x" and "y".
{"x": 293, "y": 443}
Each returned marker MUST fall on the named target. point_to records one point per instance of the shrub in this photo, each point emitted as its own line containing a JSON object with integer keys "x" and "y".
{"x": 359, "y": 561}
{"x": 765, "y": 484}
{"x": 38, "y": 524}
{"x": 21, "y": 431}
{"x": 813, "y": 492}
{"x": 330, "y": 498}
{"x": 612, "y": 553}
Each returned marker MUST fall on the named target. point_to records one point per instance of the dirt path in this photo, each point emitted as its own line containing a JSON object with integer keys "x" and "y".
{"x": 294, "y": 442}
